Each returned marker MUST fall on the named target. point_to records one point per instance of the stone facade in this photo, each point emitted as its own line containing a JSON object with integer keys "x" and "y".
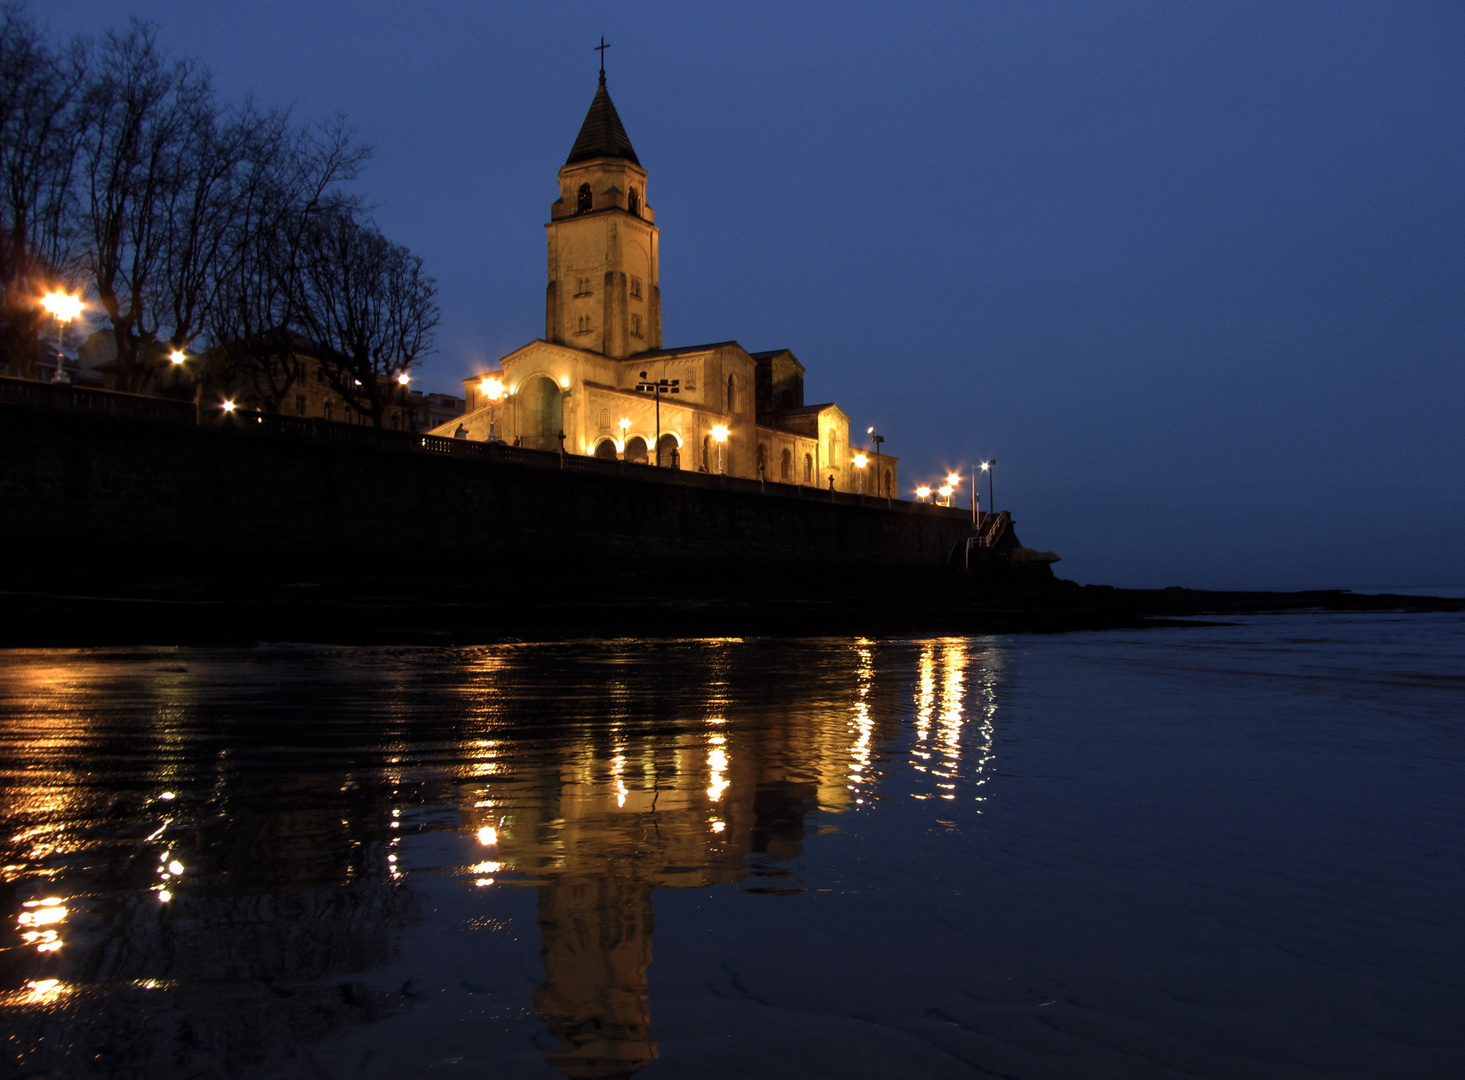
{"x": 600, "y": 383}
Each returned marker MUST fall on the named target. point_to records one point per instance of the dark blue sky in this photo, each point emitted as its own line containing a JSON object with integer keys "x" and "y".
{"x": 1194, "y": 274}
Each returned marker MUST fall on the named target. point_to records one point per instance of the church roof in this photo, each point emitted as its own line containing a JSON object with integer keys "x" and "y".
{"x": 602, "y": 135}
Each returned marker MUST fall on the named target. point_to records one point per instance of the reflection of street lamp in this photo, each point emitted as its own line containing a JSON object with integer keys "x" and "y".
{"x": 63, "y": 309}
{"x": 719, "y": 436}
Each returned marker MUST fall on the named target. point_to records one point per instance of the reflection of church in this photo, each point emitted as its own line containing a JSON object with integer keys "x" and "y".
{"x": 615, "y": 810}
{"x": 601, "y": 379}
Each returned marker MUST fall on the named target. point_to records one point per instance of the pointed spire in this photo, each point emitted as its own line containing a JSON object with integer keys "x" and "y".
{"x": 601, "y": 135}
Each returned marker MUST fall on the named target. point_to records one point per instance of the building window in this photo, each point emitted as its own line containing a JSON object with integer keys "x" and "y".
{"x": 808, "y": 468}
{"x": 346, "y": 415}
{"x": 762, "y": 460}
{"x": 635, "y": 288}
{"x": 326, "y": 410}
{"x": 584, "y": 201}
{"x": 300, "y": 404}
{"x": 706, "y": 453}
{"x": 888, "y": 484}
{"x": 785, "y": 399}
{"x": 635, "y": 200}
{"x": 582, "y": 286}
{"x": 583, "y": 326}
{"x": 786, "y": 466}
{"x": 396, "y": 422}
{"x": 635, "y": 326}
{"x": 604, "y": 419}
{"x": 732, "y": 393}
{"x": 320, "y": 374}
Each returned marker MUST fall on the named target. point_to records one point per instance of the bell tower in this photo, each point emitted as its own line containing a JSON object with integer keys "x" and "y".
{"x": 604, "y": 290}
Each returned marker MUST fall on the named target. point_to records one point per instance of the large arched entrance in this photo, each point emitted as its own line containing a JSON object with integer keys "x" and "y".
{"x": 670, "y": 456}
{"x": 636, "y": 450}
{"x": 541, "y": 413}
{"x": 606, "y": 449}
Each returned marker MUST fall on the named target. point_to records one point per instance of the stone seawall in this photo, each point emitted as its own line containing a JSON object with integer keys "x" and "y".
{"x": 158, "y": 494}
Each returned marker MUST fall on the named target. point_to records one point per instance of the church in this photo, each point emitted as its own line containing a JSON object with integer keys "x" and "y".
{"x": 601, "y": 383}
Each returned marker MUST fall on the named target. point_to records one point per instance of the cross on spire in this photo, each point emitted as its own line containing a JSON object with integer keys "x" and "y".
{"x": 601, "y": 50}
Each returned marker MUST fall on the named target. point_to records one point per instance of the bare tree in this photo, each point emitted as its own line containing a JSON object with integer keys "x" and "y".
{"x": 367, "y": 307}
{"x": 142, "y": 117}
{"x": 289, "y": 180}
{"x": 38, "y": 138}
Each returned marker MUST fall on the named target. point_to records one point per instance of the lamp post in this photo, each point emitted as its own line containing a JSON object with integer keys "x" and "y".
{"x": 876, "y": 440}
{"x": 923, "y": 493}
{"x": 625, "y": 426}
{"x": 945, "y": 491}
{"x": 659, "y": 387}
{"x": 177, "y": 358}
{"x": 953, "y": 481}
{"x": 493, "y": 389}
{"x": 63, "y": 309}
{"x": 860, "y": 462}
{"x": 991, "y": 502}
{"x": 719, "y": 436}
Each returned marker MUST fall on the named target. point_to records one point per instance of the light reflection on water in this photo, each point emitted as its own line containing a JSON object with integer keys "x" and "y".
{"x": 226, "y": 842}
{"x": 1212, "y": 851}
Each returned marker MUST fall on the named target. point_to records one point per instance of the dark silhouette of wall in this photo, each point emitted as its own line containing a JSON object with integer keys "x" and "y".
{"x": 87, "y": 486}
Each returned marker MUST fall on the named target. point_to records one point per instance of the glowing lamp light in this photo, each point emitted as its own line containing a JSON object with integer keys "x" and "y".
{"x": 177, "y": 356}
{"x": 564, "y": 382}
{"x": 986, "y": 465}
{"x": 944, "y": 490}
{"x": 923, "y": 492}
{"x": 861, "y": 461}
{"x": 624, "y": 424}
{"x": 493, "y": 389}
{"x": 869, "y": 431}
{"x": 61, "y": 306}
{"x": 954, "y": 479}
{"x": 403, "y": 379}
{"x": 228, "y": 406}
{"x": 720, "y": 433}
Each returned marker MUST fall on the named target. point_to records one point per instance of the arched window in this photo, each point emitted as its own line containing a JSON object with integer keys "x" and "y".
{"x": 786, "y": 467}
{"x": 888, "y": 484}
{"x": 583, "y": 203}
{"x": 605, "y": 449}
{"x": 762, "y": 460}
{"x": 732, "y": 393}
{"x": 785, "y": 399}
{"x": 635, "y": 200}
{"x": 604, "y": 419}
{"x": 706, "y": 453}
{"x": 808, "y": 468}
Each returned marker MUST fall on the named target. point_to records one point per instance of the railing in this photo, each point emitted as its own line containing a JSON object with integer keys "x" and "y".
{"x": 63, "y": 397}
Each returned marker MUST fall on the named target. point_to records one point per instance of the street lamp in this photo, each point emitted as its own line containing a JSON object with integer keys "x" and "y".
{"x": 178, "y": 358}
{"x": 404, "y": 381}
{"x": 658, "y": 387}
{"x": 991, "y": 502}
{"x": 945, "y": 491}
{"x": 719, "y": 436}
{"x": 63, "y": 309}
{"x": 860, "y": 462}
{"x": 493, "y": 389}
{"x": 625, "y": 426}
{"x": 923, "y": 493}
{"x": 876, "y": 440}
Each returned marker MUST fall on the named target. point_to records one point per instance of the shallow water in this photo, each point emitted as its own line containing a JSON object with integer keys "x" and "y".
{"x": 1210, "y": 851}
